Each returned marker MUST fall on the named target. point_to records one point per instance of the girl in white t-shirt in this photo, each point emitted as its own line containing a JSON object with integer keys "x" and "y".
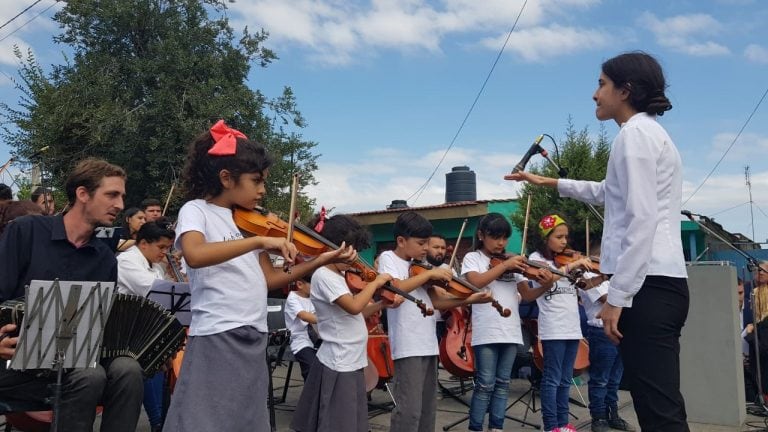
{"x": 229, "y": 276}
{"x": 495, "y": 338}
{"x": 333, "y": 398}
{"x": 559, "y": 325}
{"x": 300, "y": 316}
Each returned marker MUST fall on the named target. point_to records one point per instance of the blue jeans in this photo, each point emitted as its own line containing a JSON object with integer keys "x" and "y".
{"x": 493, "y": 367}
{"x": 153, "y": 398}
{"x": 559, "y": 356}
{"x": 605, "y": 370}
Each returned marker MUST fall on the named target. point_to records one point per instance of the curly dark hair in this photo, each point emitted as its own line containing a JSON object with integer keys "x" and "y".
{"x": 642, "y": 76}
{"x": 342, "y": 228}
{"x": 201, "y": 172}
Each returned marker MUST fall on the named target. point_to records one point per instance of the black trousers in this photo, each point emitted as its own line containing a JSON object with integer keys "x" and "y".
{"x": 650, "y": 351}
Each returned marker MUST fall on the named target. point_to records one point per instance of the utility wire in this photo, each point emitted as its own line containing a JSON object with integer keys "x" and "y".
{"x": 728, "y": 209}
{"x": 423, "y": 187}
{"x": 744, "y": 126}
{"x": 29, "y": 21}
{"x": 20, "y": 13}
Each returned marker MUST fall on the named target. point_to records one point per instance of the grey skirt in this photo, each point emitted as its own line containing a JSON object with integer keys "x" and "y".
{"x": 332, "y": 402}
{"x": 223, "y": 384}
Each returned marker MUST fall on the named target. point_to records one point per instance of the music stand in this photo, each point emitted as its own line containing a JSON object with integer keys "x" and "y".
{"x": 174, "y": 296}
{"x": 62, "y": 328}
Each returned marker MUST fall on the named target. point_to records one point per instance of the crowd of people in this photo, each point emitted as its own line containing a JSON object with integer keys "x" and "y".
{"x": 230, "y": 275}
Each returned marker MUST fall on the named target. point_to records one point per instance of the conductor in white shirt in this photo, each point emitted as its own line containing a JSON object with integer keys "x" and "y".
{"x": 139, "y": 266}
{"x": 648, "y": 297}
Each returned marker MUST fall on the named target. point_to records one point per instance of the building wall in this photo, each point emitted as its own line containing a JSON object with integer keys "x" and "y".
{"x": 450, "y": 227}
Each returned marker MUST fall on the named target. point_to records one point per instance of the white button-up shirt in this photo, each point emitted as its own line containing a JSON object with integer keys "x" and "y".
{"x": 135, "y": 274}
{"x": 642, "y": 194}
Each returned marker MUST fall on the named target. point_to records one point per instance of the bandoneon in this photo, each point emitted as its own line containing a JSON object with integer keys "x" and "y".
{"x": 137, "y": 327}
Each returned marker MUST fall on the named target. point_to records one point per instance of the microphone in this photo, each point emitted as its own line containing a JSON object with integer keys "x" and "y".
{"x": 535, "y": 148}
{"x": 39, "y": 152}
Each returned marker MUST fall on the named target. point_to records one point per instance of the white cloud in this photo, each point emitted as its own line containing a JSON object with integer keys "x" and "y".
{"x": 337, "y": 32}
{"x": 683, "y": 33}
{"x": 353, "y": 187}
{"x": 756, "y": 53}
{"x": 7, "y": 57}
{"x": 746, "y": 147}
{"x": 540, "y": 43}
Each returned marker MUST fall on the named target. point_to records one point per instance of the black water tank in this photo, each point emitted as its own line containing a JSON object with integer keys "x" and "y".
{"x": 460, "y": 185}
{"x": 398, "y": 204}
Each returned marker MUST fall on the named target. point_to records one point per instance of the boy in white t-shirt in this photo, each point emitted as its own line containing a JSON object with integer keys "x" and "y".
{"x": 412, "y": 335}
{"x": 299, "y": 318}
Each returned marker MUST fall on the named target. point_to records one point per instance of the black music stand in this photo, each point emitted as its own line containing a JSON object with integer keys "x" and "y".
{"x": 62, "y": 328}
{"x": 173, "y": 296}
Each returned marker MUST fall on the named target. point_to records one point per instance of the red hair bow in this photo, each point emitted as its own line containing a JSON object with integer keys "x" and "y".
{"x": 225, "y": 139}
{"x": 321, "y": 220}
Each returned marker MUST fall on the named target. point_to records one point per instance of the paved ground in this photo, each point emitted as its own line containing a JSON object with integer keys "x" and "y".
{"x": 451, "y": 410}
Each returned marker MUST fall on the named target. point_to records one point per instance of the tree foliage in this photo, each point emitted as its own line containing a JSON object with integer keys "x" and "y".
{"x": 584, "y": 159}
{"x": 145, "y": 77}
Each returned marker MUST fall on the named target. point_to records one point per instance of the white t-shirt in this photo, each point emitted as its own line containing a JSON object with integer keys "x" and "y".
{"x": 299, "y": 336}
{"x": 135, "y": 274}
{"x": 227, "y": 295}
{"x": 590, "y": 297}
{"x": 487, "y": 325}
{"x": 411, "y": 334}
{"x": 558, "y": 308}
{"x": 345, "y": 336}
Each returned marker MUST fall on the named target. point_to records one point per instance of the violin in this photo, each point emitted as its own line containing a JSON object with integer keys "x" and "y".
{"x": 361, "y": 274}
{"x": 533, "y": 268}
{"x": 456, "y": 354}
{"x": 569, "y": 256}
{"x": 458, "y": 287}
{"x": 260, "y": 222}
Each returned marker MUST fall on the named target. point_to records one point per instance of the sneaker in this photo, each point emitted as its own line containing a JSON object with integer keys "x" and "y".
{"x": 600, "y": 425}
{"x": 568, "y": 428}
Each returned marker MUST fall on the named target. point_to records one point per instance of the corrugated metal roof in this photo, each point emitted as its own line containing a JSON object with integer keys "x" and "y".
{"x": 437, "y": 206}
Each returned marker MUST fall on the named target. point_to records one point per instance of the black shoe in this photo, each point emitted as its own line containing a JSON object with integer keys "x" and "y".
{"x": 600, "y": 425}
{"x": 619, "y": 423}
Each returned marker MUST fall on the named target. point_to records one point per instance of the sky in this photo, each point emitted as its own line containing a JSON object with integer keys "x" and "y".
{"x": 386, "y": 84}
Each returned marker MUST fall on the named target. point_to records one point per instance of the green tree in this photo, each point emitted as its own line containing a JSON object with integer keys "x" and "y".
{"x": 144, "y": 78}
{"x": 584, "y": 159}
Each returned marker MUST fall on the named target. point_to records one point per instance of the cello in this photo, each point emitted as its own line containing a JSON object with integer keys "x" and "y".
{"x": 379, "y": 352}
{"x": 456, "y": 354}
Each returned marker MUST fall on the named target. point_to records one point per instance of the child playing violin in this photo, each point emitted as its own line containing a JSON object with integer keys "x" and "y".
{"x": 299, "y": 316}
{"x": 495, "y": 338}
{"x": 333, "y": 398}
{"x": 412, "y": 336}
{"x": 559, "y": 325}
{"x": 605, "y": 365}
{"x": 229, "y": 276}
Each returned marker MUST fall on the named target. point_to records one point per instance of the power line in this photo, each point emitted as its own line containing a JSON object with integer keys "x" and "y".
{"x": 20, "y": 13}
{"x": 728, "y": 209}
{"x": 29, "y": 21}
{"x": 744, "y": 126}
{"x": 423, "y": 187}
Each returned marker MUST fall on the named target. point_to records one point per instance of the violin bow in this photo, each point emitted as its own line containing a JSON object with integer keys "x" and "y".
{"x": 168, "y": 198}
{"x": 292, "y": 213}
{"x": 586, "y": 249}
{"x": 5, "y": 167}
{"x": 458, "y": 240}
{"x": 525, "y": 225}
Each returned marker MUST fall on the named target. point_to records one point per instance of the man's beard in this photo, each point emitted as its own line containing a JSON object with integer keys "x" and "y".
{"x": 435, "y": 261}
